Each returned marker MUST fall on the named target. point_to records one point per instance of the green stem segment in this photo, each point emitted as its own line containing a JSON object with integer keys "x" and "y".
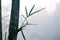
{"x": 23, "y": 34}
{"x": 0, "y": 23}
{"x": 14, "y": 19}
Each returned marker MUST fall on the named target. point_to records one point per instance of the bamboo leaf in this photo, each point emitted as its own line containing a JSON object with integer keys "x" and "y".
{"x": 23, "y": 35}
{"x": 31, "y": 9}
{"x": 26, "y": 11}
{"x": 7, "y": 38}
{"x": 31, "y": 24}
{"x": 24, "y": 20}
{"x": 37, "y": 11}
{"x": 5, "y": 35}
{"x": 24, "y": 16}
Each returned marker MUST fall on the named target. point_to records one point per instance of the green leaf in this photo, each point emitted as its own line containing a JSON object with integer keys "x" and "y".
{"x": 31, "y": 24}
{"x": 31, "y": 9}
{"x": 24, "y": 20}
{"x": 26, "y": 11}
{"x": 24, "y": 16}
{"x": 5, "y": 35}
{"x": 37, "y": 11}
{"x": 7, "y": 38}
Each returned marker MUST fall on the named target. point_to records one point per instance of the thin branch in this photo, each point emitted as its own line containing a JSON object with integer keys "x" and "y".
{"x": 24, "y": 25}
{"x": 21, "y": 28}
{"x": 23, "y": 34}
{"x": 24, "y": 19}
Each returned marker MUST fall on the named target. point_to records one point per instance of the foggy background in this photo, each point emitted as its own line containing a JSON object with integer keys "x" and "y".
{"x": 48, "y": 20}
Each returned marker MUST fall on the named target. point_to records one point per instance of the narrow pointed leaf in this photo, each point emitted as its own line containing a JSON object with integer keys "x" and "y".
{"x": 5, "y": 35}
{"x": 24, "y": 20}
{"x": 24, "y": 16}
{"x": 23, "y": 35}
{"x": 31, "y": 9}
{"x": 26, "y": 12}
{"x": 7, "y": 38}
{"x": 37, "y": 11}
{"x": 32, "y": 24}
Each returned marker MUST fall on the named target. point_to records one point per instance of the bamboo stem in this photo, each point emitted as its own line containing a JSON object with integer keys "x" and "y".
{"x": 23, "y": 34}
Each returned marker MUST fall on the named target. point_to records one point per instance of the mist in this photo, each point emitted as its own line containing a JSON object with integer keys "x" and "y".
{"x": 48, "y": 20}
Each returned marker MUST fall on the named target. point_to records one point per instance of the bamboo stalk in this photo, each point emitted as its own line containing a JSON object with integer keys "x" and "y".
{"x": 14, "y": 19}
{"x": 0, "y": 23}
